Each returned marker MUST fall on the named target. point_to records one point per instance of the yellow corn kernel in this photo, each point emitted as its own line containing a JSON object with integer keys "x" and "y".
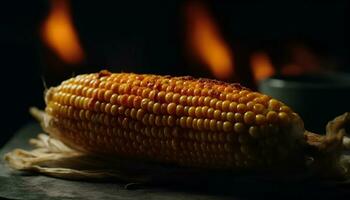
{"x": 182, "y": 120}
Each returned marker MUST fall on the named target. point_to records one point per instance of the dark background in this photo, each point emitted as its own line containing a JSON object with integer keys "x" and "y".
{"x": 148, "y": 37}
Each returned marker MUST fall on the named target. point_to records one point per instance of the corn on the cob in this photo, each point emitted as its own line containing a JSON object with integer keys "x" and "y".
{"x": 181, "y": 120}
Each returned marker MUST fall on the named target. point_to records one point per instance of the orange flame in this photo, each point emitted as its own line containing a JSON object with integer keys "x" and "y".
{"x": 59, "y": 34}
{"x": 303, "y": 61}
{"x": 261, "y": 66}
{"x": 292, "y": 70}
{"x": 205, "y": 40}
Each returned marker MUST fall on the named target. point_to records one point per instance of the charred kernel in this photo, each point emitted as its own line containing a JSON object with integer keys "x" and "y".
{"x": 260, "y": 119}
{"x": 249, "y": 117}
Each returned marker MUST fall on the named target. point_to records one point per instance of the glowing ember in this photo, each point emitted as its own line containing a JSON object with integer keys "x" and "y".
{"x": 261, "y": 66}
{"x": 206, "y": 42}
{"x": 59, "y": 34}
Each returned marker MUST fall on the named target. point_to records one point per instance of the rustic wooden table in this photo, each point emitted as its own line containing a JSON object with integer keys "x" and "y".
{"x": 17, "y": 185}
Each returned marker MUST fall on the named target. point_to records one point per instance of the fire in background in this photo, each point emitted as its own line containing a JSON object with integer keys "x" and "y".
{"x": 59, "y": 33}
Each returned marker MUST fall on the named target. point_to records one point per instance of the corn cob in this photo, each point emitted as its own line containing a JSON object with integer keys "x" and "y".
{"x": 181, "y": 120}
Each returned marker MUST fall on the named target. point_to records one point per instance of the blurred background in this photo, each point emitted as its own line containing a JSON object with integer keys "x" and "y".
{"x": 47, "y": 41}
